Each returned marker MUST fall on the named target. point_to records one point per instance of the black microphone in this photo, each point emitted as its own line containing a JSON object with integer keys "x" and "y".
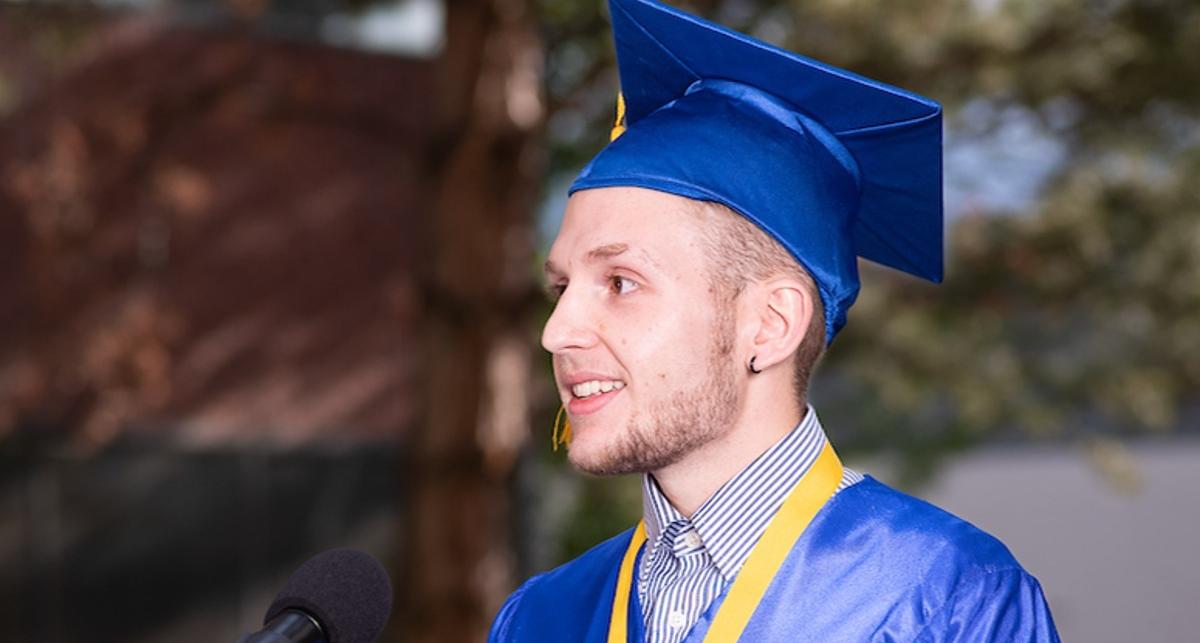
{"x": 337, "y": 596}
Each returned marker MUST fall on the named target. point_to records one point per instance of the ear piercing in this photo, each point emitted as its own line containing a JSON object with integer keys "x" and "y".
{"x": 752, "y": 367}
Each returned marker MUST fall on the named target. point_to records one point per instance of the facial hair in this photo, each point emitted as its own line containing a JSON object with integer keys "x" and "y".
{"x": 676, "y": 427}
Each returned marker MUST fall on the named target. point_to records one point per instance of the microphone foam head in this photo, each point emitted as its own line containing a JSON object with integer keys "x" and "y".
{"x": 346, "y": 590}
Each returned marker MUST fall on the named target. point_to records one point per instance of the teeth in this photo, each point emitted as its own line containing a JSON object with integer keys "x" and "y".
{"x": 593, "y": 387}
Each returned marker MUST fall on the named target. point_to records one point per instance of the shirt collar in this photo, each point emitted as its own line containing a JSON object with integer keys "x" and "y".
{"x": 657, "y": 511}
{"x": 731, "y": 521}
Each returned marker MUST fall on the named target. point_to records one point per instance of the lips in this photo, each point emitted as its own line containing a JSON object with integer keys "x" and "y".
{"x": 585, "y": 405}
{"x": 589, "y": 392}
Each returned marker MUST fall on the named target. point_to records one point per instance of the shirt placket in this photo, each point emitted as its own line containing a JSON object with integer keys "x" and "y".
{"x": 682, "y": 559}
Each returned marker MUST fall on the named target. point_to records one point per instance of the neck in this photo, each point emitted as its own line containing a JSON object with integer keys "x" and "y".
{"x": 694, "y": 479}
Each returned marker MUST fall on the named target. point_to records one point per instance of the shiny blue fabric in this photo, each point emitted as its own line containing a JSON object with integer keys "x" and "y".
{"x": 874, "y": 565}
{"x": 832, "y": 165}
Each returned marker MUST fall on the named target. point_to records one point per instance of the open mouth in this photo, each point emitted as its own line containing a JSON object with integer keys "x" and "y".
{"x": 591, "y": 395}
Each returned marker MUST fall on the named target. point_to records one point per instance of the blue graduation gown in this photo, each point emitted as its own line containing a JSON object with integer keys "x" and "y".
{"x": 874, "y": 565}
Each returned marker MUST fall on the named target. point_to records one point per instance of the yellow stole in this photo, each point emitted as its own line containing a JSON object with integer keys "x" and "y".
{"x": 816, "y": 486}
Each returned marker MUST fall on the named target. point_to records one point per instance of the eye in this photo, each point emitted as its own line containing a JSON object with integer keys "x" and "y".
{"x": 555, "y": 291}
{"x": 622, "y": 285}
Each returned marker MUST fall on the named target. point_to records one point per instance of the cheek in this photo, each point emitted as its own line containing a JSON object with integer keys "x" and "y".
{"x": 665, "y": 336}
{"x": 665, "y": 341}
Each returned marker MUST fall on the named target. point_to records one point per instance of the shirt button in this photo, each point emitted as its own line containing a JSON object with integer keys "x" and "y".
{"x": 691, "y": 539}
{"x": 675, "y": 620}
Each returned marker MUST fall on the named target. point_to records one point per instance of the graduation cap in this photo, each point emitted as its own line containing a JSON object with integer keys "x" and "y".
{"x": 832, "y": 165}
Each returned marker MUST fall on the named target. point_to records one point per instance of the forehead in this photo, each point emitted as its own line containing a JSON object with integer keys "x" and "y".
{"x": 636, "y": 221}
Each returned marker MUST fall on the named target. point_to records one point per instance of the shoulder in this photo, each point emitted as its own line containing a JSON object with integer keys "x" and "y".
{"x": 933, "y": 537}
{"x": 957, "y": 577}
{"x": 585, "y": 584}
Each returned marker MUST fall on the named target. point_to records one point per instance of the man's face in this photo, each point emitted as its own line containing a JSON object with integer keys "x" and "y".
{"x": 642, "y": 352}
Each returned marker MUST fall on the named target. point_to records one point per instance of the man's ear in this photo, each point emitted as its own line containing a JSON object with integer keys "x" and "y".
{"x": 782, "y": 311}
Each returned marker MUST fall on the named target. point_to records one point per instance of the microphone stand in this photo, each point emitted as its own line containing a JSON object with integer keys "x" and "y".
{"x": 291, "y": 626}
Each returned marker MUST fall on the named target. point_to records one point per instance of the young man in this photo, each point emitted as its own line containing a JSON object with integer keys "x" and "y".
{"x": 706, "y": 258}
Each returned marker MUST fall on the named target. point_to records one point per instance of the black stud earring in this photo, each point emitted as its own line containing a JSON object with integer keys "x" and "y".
{"x": 752, "y": 368}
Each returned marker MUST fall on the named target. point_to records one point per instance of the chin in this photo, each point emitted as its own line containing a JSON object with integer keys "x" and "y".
{"x": 594, "y": 450}
{"x": 612, "y": 453}
{"x": 605, "y": 466}
{"x": 587, "y": 455}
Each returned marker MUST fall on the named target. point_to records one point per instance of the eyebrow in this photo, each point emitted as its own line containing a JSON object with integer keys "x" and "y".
{"x": 606, "y": 251}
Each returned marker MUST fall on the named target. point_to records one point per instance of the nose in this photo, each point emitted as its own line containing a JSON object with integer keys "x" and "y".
{"x": 570, "y": 324}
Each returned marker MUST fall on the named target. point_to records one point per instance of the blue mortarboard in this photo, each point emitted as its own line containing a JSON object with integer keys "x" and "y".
{"x": 831, "y": 164}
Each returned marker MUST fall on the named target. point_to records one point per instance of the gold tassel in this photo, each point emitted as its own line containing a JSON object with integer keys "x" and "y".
{"x": 619, "y": 127}
{"x": 561, "y": 420}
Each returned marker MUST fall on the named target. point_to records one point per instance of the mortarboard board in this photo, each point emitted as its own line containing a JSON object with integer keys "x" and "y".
{"x": 831, "y": 164}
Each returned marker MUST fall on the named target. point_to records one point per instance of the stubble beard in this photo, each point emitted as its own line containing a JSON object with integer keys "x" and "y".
{"x": 676, "y": 427}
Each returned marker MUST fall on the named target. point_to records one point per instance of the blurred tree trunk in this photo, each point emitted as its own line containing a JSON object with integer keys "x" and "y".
{"x": 484, "y": 164}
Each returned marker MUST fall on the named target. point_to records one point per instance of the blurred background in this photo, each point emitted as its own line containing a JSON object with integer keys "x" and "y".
{"x": 269, "y": 284}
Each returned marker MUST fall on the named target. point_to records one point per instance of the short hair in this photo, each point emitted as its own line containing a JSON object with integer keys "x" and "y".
{"x": 741, "y": 252}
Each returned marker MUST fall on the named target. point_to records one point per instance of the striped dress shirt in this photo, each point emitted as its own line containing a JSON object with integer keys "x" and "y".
{"x": 688, "y": 562}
